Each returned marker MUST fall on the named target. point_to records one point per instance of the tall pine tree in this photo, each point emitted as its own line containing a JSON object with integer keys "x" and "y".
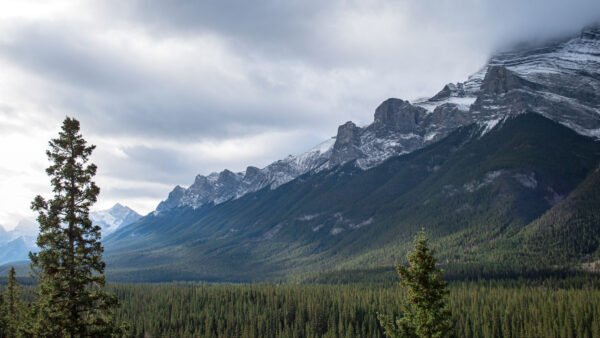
{"x": 12, "y": 309}
{"x": 425, "y": 312}
{"x": 69, "y": 268}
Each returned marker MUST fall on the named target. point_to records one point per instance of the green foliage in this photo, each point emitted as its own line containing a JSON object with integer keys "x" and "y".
{"x": 71, "y": 300}
{"x": 426, "y": 313}
{"x": 12, "y": 309}
{"x": 545, "y": 308}
{"x": 554, "y": 307}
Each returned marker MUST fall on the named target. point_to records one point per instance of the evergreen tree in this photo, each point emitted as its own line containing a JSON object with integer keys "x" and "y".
{"x": 425, "y": 312}
{"x": 71, "y": 299}
{"x": 12, "y": 306}
{"x": 2, "y": 317}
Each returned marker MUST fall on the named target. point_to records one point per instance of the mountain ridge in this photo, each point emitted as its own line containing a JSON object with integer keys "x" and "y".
{"x": 16, "y": 244}
{"x": 476, "y": 187}
{"x": 546, "y": 79}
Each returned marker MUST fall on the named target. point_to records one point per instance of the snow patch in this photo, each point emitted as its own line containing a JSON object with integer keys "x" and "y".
{"x": 361, "y": 224}
{"x": 487, "y": 126}
{"x": 318, "y": 227}
{"x": 307, "y": 217}
{"x": 526, "y": 180}
{"x": 430, "y": 136}
{"x": 336, "y": 231}
{"x": 488, "y": 179}
{"x": 271, "y": 233}
{"x": 553, "y": 197}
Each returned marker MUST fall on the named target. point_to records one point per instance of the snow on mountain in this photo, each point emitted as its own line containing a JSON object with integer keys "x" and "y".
{"x": 111, "y": 219}
{"x": 14, "y": 250}
{"x": 560, "y": 80}
{"x": 220, "y": 187}
{"x": 25, "y": 229}
{"x": 16, "y": 244}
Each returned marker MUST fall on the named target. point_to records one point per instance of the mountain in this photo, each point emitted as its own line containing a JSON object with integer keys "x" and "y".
{"x": 16, "y": 244}
{"x": 499, "y": 169}
{"x": 111, "y": 219}
{"x": 14, "y": 250}
{"x": 472, "y": 191}
{"x": 560, "y": 80}
{"x": 25, "y": 229}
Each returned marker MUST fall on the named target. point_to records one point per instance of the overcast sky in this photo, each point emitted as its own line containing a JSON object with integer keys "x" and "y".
{"x": 171, "y": 89}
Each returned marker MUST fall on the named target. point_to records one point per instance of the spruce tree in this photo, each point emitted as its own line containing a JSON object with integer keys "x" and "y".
{"x": 2, "y": 317}
{"x": 71, "y": 299}
{"x": 425, "y": 312}
{"x": 12, "y": 307}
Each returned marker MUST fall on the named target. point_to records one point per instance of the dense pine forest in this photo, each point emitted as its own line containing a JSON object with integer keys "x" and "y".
{"x": 551, "y": 307}
{"x": 544, "y": 308}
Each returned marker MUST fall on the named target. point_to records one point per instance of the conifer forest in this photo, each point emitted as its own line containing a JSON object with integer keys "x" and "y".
{"x": 299, "y": 169}
{"x": 510, "y": 308}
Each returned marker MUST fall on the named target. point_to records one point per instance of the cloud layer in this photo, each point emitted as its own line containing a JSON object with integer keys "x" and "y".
{"x": 170, "y": 89}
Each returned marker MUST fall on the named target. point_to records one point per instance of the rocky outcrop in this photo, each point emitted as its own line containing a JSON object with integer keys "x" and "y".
{"x": 347, "y": 144}
{"x": 395, "y": 115}
{"x": 499, "y": 80}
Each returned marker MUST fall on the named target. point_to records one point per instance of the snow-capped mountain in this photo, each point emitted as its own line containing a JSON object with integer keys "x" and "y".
{"x": 16, "y": 244}
{"x": 220, "y": 187}
{"x": 25, "y": 229}
{"x": 111, "y": 219}
{"x": 560, "y": 80}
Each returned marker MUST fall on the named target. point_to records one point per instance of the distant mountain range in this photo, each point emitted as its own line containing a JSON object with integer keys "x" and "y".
{"x": 112, "y": 219}
{"x": 501, "y": 170}
{"x": 16, "y": 244}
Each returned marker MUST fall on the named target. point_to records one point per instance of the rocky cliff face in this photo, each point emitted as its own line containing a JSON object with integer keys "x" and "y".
{"x": 560, "y": 81}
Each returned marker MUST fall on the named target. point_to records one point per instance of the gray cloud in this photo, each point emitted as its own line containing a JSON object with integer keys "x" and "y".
{"x": 124, "y": 93}
{"x": 297, "y": 29}
{"x": 170, "y": 89}
{"x": 120, "y": 194}
{"x": 120, "y": 95}
{"x": 151, "y": 164}
{"x": 280, "y": 27}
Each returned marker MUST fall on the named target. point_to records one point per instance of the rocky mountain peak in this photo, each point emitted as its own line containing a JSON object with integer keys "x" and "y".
{"x": 398, "y": 116}
{"x": 173, "y": 199}
{"x": 448, "y": 91}
{"x": 228, "y": 175}
{"x": 347, "y": 135}
{"x": 111, "y": 219}
{"x": 560, "y": 80}
{"x": 346, "y": 144}
{"x": 499, "y": 80}
{"x": 251, "y": 172}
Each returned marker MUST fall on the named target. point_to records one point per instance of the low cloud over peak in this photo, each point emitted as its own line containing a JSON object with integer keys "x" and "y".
{"x": 170, "y": 89}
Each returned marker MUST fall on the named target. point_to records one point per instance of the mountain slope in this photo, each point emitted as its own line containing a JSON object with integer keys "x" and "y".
{"x": 480, "y": 165}
{"x": 560, "y": 80}
{"x": 471, "y": 189}
{"x": 569, "y": 232}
